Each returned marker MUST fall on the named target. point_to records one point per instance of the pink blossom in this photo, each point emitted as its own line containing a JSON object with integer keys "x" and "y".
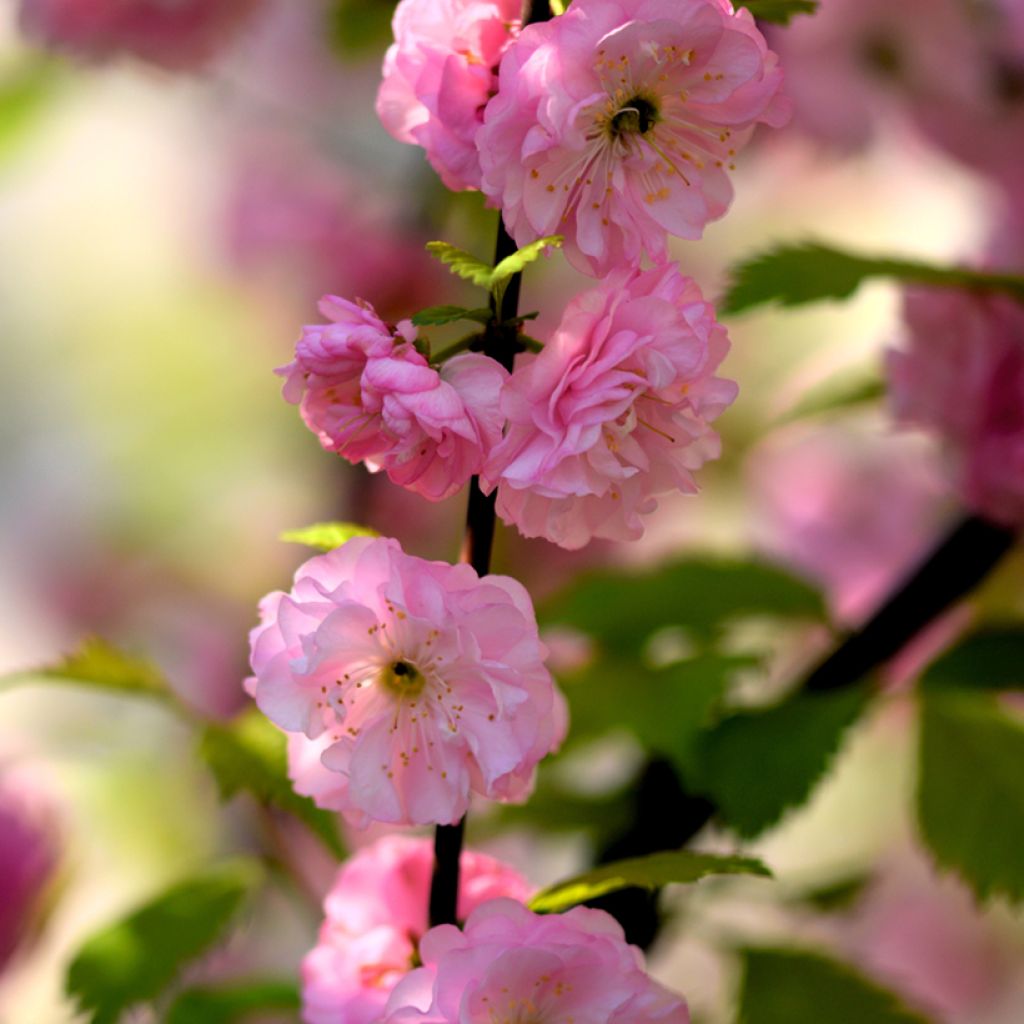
{"x": 370, "y": 396}
{"x": 176, "y": 34}
{"x": 613, "y": 411}
{"x": 376, "y": 914}
{"x": 961, "y": 374}
{"x": 428, "y": 679}
{"x": 509, "y": 964}
{"x": 616, "y": 124}
{"x": 439, "y": 74}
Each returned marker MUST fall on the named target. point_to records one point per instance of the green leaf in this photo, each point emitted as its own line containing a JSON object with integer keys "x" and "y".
{"x": 970, "y": 797}
{"x": 758, "y": 764}
{"x": 515, "y": 263}
{"x": 785, "y": 986}
{"x": 623, "y": 609}
{"x": 134, "y": 960}
{"x": 992, "y": 659}
{"x": 250, "y": 755}
{"x": 837, "y": 396}
{"x": 552, "y": 808}
{"x": 437, "y": 316}
{"x": 327, "y": 536}
{"x": 232, "y": 1003}
{"x": 650, "y": 872}
{"x": 24, "y": 95}
{"x": 462, "y": 263}
{"x": 357, "y": 27}
{"x": 780, "y": 12}
{"x": 809, "y": 271}
{"x": 98, "y": 664}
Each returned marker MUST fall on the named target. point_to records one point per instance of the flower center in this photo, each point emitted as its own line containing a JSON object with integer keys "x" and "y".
{"x": 402, "y": 679}
{"x": 637, "y": 116}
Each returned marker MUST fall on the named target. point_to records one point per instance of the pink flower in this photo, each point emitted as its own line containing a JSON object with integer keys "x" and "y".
{"x": 613, "y": 411}
{"x": 509, "y": 964}
{"x": 376, "y": 914}
{"x": 962, "y": 375}
{"x": 429, "y": 680}
{"x": 616, "y": 123}
{"x": 179, "y": 35}
{"x": 439, "y": 74}
{"x": 370, "y": 396}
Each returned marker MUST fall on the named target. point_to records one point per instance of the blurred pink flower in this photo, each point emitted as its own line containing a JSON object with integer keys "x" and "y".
{"x": 961, "y": 374}
{"x": 429, "y": 679}
{"x": 176, "y": 34}
{"x": 28, "y": 860}
{"x": 511, "y": 964}
{"x": 370, "y": 396}
{"x": 613, "y": 411}
{"x": 376, "y": 914}
{"x": 439, "y": 74}
{"x": 615, "y": 124}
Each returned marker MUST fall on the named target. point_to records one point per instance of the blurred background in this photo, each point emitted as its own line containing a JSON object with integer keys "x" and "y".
{"x": 168, "y": 216}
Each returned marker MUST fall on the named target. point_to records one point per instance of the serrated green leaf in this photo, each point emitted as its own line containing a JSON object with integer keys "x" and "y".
{"x": 622, "y": 609}
{"x": 779, "y": 12}
{"x": 134, "y": 960}
{"x": 521, "y": 258}
{"x": 327, "y": 536}
{"x": 232, "y": 1003}
{"x": 102, "y": 666}
{"x": 461, "y": 263}
{"x": 437, "y": 316}
{"x": 785, "y": 986}
{"x": 970, "y": 797}
{"x": 794, "y": 274}
{"x": 758, "y": 764}
{"x": 837, "y": 396}
{"x": 991, "y": 659}
{"x": 650, "y": 872}
{"x": 250, "y": 755}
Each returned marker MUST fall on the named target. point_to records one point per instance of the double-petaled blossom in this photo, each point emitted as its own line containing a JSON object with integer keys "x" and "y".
{"x": 178, "y": 35}
{"x": 439, "y": 74}
{"x": 618, "y": 123}
{"x": 613, "y": 411}
{"x": 429, "y": 680}
{"x": 369, "y": 395}
{"x": 509, "y": 964}
{"x": 961, "y": 374}
{"x": 375, "y": 915}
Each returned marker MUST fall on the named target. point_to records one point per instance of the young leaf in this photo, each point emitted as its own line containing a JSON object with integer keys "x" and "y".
{"x": 515, "y": 263}
{"x": 970, "y": 797}
{"x": 650, "y": 872}
{"x": 809, "y": 271}
{"x": 991, "y": 659}
{"x": 758, "y": 764}
{"x": 327, "y": 536}
{"x": 98, "y": 664}
{"x": 837, "y": 396}
{"x": 26, "y": 92}
{"x": 779, "y": 12}
{"x": 786, "y": 986}
{"x": 233, "y": 1003}
{"x": 134, "y": 960}
{"x": 462, "y": 263}
{"x": 250, "y": 754}
{"x": 437, "y": 316}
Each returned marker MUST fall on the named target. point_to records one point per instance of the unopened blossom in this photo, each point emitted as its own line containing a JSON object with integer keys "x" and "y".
{"x": 617, "y": 124}
{"x": 175, "y": 34}
{"x": 369, "y": 395}
{"x": 511, "y": 965}
{"x": 961, "y": 375}
{"x": 376, "y": 913}
{"x": 429, "y": 680}
{"x": 614, "y": 410}
{"x": 439, "y": 74}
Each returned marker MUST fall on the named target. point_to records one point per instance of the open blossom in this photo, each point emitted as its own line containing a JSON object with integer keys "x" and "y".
{"x": 617, "y": 123}
{"x": 376, "y": 913}
{"x": 613, "y": 411}
{"x": 961, "y": 374}
{"x": 428, "y": 678}
{"x": 509, "y": 964}
{"x": 370, "y": 396}
{"x": 439, "y": 74}
{"x": 179, "y": 34}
